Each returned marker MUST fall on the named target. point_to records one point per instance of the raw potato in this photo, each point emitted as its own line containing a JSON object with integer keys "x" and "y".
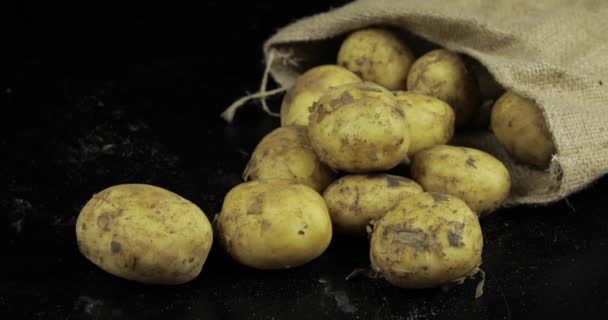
{"x": 520, "y": 127}
{"x": 377, "y": 55}
{"x": 307, "y": 89}
{"x": 274, "y": 224}
{"x": 286, "y": 153}
{"x": 431, "y": 120}
{"x": 355, "y": 200}
{"x": 442, "y": 74}
{"x": 427, "y": 240}
{"x": 359, "y": 128}
{"x": 144, "y": 233}
{"x": 472, "y": 175}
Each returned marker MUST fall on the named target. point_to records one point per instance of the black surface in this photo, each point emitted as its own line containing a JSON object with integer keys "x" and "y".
{"x": 136, "y": 98}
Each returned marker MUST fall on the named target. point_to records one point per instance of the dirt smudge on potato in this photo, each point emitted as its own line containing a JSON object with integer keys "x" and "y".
{"x": 355, "y": 207}
{"x": 320, "y": 111}
{"x": 412, "y": 237}
{"x": 265, "y": 224}
{"x": 438, "y": 196}
{"x": 455, "y": 234}
{"x": 344, "y": 99}
{"x": 115, "y": 246}
{"x": 471, "y": 163}
{"x": 256, "y": 206}
{"x": 369, "y": 87}
{"x": 399, "y": 112}
{"x": 103, "y": 221}
{"x": 393, "y": 181}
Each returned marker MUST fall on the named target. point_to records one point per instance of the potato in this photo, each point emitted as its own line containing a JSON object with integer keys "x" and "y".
{"x": 274, "y": 224}
{"x": 520, "y": 127}
{"x": 442, "y": 74}
{"x": 355, "y": 200}
{"x": 474, "y": 176}
{"x": 286, "y": 153}
{"x": 144, "y": 233}
{"x": 426, "y": 240}
{"x": 431, "y": 120}
{"x": 377, "y": 55}
{"x": 307, "y": 89}
{"x": 359, "y": 128}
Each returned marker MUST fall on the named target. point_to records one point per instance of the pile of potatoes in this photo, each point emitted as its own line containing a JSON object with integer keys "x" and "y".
{"x": 343, "y": 126}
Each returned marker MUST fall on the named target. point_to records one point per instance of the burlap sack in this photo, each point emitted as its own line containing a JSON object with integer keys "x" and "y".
{"x": 554, "y": 52}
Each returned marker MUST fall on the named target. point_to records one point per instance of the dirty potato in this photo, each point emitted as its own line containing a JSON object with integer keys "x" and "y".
{"x": 520, "y": 127}
{"x": 355, "y": 200}
{"x": 442, "y": 74}
{"x": 286, "y": 153}
{"x": 377, "y": 55}
{"x": 426, "y": 240}
{"x": 359, "y": 128}
{"x": 144, "y": 233}
{"x": 307, "y": 89}
{"x": 472, "y": 175}
{"x": 431, "y": 120}
{"x": 274, "y": 224}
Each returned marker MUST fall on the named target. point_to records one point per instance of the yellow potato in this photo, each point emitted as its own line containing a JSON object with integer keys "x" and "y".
{"x": 520, "y": 127}
{"x": 443, "y": 75}
{"x": 359, "y": 128}
{"x": 274, "y": 224}
{"x": 472, "y": 175}
{"x": 286, "y": 153}
{"x": 377, "y": 55}
{"x": 355, "y": 200}
{"x": 426, "y": 240}
{"x": 144, "y": 233}
{"x": 431, "y": 120}
{"x": 307, "y": 89}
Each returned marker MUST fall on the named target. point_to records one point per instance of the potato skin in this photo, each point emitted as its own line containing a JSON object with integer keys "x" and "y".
{"x": 359, "y": 128}
{"x": 286, "y": 153}
{"x": 442, "y": 74}
{"x": 472, "y": 175}
{"x": 355, "y": 200}
{"x": 144, "y": 233}
{"x": 426, "y": 240}
{"x": 431, "y": 120}
{"x": 274, "y": 224}
{"x": 377, "y": 55}
{"x": 308, "y": 88}
{"x": 520, "y": 127}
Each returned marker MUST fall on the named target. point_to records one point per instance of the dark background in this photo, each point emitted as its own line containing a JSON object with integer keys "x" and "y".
{"x": 100, "y": 95}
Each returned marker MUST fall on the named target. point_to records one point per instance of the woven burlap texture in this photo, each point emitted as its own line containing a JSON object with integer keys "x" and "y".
{"x": 554, "y": 52}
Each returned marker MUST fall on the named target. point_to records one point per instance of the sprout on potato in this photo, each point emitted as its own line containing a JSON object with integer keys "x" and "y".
{"x": 474, "y": 176}
{"x": 442, "y": 74}
{"x": 359, "y": 128}
{"x": 274, "y": 224}
{"x": 286, "y": 153}
{"x": 520, "y": 127}
{"x": 355, "y": 200}
{"x": 307, "y": 89}
{"x": 426, "y": 240}
{"x": 144, "y": 233}
{"x": 377, "y": 55}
